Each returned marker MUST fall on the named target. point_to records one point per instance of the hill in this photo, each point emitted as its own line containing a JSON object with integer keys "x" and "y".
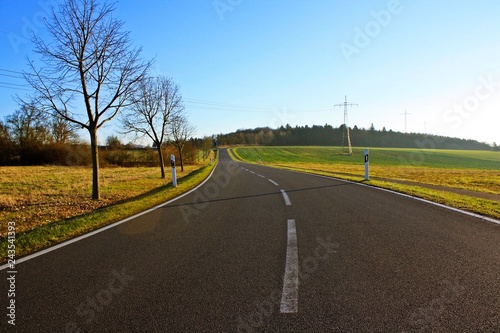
{"x": 329, "y": 136}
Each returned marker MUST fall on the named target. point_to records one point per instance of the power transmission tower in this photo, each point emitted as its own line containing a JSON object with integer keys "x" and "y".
{"x": 406, "y": 116}
{"x": 345, "y": 131}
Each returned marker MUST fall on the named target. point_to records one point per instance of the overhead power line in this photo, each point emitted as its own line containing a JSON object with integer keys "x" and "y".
{"x": 14, "y": 84}
{"x": 16, "y": 88}
{"x": 191, "y": 103}
{"x": 7, "y": 73}
{"x": 219, "y": 106}
{"x": 14, "y": 76}
{"x": 10, "y": 71}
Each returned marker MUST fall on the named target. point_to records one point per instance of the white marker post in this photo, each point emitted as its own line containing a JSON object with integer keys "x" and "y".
{"x": 367, "y": 164}
{"x": 174, "y": 174}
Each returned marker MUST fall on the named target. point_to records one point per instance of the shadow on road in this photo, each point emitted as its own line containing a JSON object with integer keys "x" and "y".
{"x": 197, "y": 202}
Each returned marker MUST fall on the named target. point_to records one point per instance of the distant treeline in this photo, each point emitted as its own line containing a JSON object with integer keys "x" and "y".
{"x": 32, "y": 137}
{"x": 37, "y": 146}
{"x": 360, "y": 137}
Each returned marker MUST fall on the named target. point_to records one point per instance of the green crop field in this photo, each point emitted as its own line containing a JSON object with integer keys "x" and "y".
{"x": 468, "y": 180}
{"x": 455, "y": 159}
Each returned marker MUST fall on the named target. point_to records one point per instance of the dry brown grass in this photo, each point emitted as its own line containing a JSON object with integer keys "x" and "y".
{"x": 35, "y": 196}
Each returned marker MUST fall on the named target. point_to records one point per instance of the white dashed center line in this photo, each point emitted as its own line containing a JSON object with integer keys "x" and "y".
{"x": 272, "y": 181}
{"x": 287, "y": 199}
{"x": 290, "y": 294}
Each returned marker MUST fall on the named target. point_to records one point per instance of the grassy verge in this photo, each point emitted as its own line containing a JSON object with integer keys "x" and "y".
{"x": 50, "y": 234}
{"x": 34, "y": 196}
{"x": 475, "y": 174}
{"x": 476, "y": 205}
{"x": 234, "y": 155}
{"x": 480, "y": 206}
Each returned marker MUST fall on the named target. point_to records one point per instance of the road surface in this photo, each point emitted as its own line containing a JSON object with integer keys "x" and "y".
{"x": 258, "y": 249}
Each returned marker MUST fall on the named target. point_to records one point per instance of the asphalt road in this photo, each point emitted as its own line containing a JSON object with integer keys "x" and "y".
{"x": 257, "y": 249}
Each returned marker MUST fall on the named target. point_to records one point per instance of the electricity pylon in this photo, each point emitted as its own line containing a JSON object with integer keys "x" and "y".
{"x": 345, "y": 131}
{"x": 406, "y": 118}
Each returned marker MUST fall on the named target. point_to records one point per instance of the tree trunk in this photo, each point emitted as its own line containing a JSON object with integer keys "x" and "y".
{"x": 180, "y": 159}
{"x": 160, "y": 160}
{"x": 96, "y": 195}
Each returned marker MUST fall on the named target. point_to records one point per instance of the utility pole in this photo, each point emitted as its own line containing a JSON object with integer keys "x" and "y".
{"x": 345, "y": 131}
{"x": 406, "y": 118}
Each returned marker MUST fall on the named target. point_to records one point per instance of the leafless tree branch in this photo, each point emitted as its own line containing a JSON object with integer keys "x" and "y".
{"x": 90, "y": 68}
{"x": 155, "y": 102}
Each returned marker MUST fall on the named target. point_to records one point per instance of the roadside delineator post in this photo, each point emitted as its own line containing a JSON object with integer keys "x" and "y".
{"x": 174, "y": 174}
{"x": 367, "y": 164}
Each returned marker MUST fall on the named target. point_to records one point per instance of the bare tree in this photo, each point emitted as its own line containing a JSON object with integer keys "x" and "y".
{"x": 207, "y": 144}
{"x": 180, "y": 132}
{"x": 113, "y": 142}
{"x": 63, "y": 132}
{"x": 90, "y": 69}
{"x": 6, "y": 144}
{"x": 154, "y": 104}
{"x": 29, "y": 129}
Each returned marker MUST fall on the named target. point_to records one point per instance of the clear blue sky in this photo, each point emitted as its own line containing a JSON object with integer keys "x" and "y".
{"x": 249, "y": 63}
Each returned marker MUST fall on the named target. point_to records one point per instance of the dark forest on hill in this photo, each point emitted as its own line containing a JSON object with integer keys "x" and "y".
{"x": 329, "y": 136}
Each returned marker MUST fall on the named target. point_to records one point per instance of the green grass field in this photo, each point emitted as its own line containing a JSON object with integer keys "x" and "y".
{"x": 435, "y": 158}
{"x": 467, "y": 180}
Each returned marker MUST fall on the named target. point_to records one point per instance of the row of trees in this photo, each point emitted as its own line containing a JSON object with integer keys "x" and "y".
{"x": 116, "y": 153}
{"x": 328, "y": 135}
{"x": 88, "y": 72}
{"x": 30, "y": 136}
{"x": 157, "y": 112}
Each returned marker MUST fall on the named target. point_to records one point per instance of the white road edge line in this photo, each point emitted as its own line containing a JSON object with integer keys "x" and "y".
{"x": 478, "y": 216}
{"x": 482, "y": 217}
{"x": 290, "y": 294}
{"x": 287, "y": 199}
{"x": 272, "y": 181}
{"x": 90, "y": 234}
